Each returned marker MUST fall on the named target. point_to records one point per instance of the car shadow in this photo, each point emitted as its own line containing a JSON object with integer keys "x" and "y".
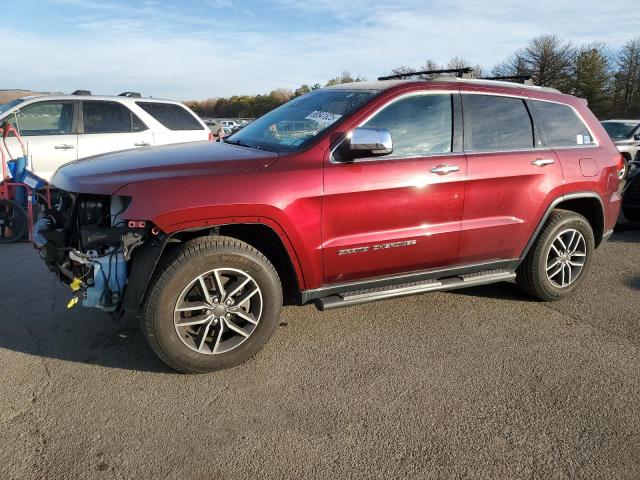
{"x": 500, "y": 291}
{"x": 45, "y": 328}
{"x": 634, "y": 283}
{"x": 104, "y": 342}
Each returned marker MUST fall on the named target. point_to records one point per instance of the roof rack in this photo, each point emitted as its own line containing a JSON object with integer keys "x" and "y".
{"x": 460, "y": 73}
{"x": 130, "y": 94}
{"x": 524, "y": 79}
{"x": 82, "y": 92}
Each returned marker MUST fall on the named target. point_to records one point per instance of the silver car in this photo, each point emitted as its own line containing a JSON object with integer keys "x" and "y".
{"x": 626, "y": 135}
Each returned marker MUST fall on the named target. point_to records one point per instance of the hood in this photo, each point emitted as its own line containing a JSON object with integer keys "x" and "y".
{"x": 105, "y": 174}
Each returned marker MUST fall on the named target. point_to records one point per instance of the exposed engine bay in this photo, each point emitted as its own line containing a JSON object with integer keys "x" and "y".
{"x": 85, "y": 240}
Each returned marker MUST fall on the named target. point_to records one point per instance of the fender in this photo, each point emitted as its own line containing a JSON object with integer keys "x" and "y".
{"x": 554, "y": 204}
{"x": 148, "y": 255}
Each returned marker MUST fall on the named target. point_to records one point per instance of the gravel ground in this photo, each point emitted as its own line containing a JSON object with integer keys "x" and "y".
{"x": 482, "y": 383}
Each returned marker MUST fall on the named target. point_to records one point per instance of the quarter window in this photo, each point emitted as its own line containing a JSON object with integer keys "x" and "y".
{"x": 499, "y": 123}
{"x": 420, "y": 125}
{"x": 44, "y": 118}
{"x": 174, "y": 117}
{"x": 561, "y": 124}
{"x": 109, "y": 117}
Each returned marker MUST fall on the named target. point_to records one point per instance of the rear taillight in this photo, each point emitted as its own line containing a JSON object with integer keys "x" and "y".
{"x": 211, "y": 136}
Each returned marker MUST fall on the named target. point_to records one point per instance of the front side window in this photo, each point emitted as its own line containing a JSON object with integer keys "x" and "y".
{"x": 295, "y": 124}
{"x": 499, "y": 123}
{"x": 109, "y": 117}
{"x": 173, "y": 117}
{"x": 44, "y": 118}
{"x": 561, "y": 124}
{"x": 420, "y": 125}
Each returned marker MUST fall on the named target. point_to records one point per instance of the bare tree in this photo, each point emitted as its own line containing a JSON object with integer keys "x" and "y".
{"x": 546, "y": 58}
{"x": 459, "y": 62}
{"x": 402, "y": 70}
{"x": 344, "y": 77}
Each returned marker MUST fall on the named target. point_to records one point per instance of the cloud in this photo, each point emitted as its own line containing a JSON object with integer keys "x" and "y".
{"x": 205, "y": 51}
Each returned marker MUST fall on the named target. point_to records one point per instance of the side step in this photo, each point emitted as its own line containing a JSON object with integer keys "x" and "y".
{"x": 357, "y": 297}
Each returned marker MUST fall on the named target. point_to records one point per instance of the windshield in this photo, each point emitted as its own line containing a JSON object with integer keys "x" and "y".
{"x": 6, "y": 106}
{"x": 293, "y": 125}
{"x": 619, "y": 129}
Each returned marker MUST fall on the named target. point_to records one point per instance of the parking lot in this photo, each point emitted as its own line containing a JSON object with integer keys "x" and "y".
{"x": 482, "y": 383}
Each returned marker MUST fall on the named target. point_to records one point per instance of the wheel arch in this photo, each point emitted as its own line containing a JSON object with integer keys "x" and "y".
{"x": 259, "y": 235}
{"x": 588, "y": 204}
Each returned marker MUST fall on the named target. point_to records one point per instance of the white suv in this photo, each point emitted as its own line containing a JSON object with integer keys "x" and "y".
{"x": 61, "y": 128}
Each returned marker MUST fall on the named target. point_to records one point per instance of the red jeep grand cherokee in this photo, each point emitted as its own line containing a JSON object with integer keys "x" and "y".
{"x": 346, "y": 195}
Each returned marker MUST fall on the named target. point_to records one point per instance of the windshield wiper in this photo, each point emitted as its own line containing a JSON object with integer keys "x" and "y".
{"x": 241, "y": 143}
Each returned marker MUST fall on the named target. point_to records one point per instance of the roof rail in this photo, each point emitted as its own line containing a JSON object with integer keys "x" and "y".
{"x": 524, "y": 79}
{"x": 82, "y": 92}
{"x": 460, "y": 73}
{"x": 130, "y": 94}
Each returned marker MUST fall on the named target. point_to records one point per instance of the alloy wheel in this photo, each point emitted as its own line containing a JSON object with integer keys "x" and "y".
{"x": 218, "y": 311}
{"x": 566, "y": 258}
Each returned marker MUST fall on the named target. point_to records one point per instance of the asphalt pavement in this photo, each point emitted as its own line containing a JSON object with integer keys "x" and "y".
{"x": 477, "y": 383}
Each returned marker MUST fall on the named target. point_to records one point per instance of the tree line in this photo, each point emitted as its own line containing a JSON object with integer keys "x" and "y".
{"x": 608, "y": 79}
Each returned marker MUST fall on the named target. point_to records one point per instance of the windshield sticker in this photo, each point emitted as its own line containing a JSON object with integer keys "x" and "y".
{"x": 323, "y": 118}
{"x": 579, "y": 139}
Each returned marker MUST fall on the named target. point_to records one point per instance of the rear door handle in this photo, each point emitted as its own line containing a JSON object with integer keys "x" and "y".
{"x": 63, "y": 147}
{"x": 142, "y": 144}
{"x": 445, "y": 169}
{"x": 541, "y": 162}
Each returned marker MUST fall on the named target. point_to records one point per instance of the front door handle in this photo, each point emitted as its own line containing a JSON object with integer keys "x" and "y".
{"x": 541, "y": 162}
{"x": 142, "y": 144}
{"x": 445, "y": 169}
{"x": 63, "y": 147}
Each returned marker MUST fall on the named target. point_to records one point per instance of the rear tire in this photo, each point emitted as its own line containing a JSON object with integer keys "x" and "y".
{"x": 549, "y": 271}
{"x": 189, "y": 317}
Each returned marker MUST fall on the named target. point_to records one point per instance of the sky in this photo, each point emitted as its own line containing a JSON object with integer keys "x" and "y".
{"x": 190, "y": 49}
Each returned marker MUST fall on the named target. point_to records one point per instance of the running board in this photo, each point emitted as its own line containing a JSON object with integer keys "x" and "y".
{"x": 357, "y": 297}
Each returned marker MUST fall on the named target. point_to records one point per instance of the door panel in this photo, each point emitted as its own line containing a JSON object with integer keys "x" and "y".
{"x": 385, "y": 217}
{"x": 47, "y": 152}
{"x": 506, "y": 196}
{"x": 99, "y": 143}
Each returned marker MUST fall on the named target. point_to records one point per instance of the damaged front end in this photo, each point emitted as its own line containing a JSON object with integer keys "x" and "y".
{"x": 86, "y": 241}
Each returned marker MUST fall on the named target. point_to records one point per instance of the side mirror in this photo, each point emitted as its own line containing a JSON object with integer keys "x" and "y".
{"x": 636, "y": 137}
{"x": 370, "y": 142}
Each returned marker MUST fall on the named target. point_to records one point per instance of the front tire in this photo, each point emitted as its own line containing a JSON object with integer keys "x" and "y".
{"x": 560, "y": 258}
{"x": 213, "y": 304}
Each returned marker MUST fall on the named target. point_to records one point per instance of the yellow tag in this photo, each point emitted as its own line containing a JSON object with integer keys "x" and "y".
{"x": 72, "y": 302}
{"x": 76, "y": 284}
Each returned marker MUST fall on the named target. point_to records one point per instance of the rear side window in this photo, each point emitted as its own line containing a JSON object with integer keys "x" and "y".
{"x": 499, "y": 123}
{"x": 174, "y": 117}
{"x": 561, "y": 124}
{"x": 109, "y": 117}
{"x": 420, "y": 125}
{"x": 44, "y": 118}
